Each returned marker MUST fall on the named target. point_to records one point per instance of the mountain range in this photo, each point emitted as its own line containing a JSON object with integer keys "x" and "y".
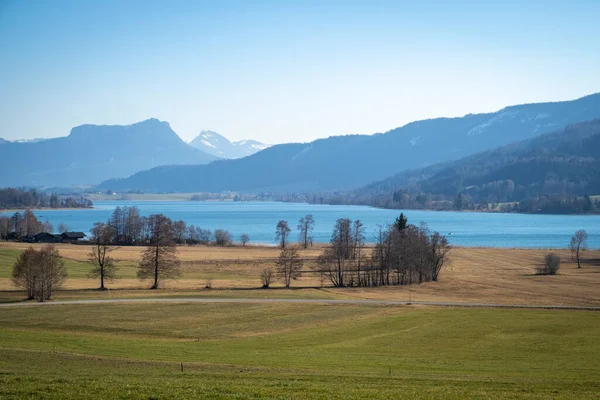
{"x": 213, "y": 143}
{"x": 93, "y": 153}
{"x": 566, "y": 161}
{"x": 342, "y": 162}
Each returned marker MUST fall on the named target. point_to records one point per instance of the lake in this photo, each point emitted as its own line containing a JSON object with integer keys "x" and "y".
{"x": 258, "y": 220}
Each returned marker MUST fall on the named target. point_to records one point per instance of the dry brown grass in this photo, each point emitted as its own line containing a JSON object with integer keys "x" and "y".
{"x": 475, "y": 275}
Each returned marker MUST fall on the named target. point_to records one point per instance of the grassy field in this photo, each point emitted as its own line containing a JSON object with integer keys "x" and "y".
{"x": 474, "y": 275}
{"x": 296, "y": 351}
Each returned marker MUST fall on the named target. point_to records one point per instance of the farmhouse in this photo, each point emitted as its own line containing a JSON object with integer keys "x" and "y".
{"x": 72, "y": 237}
{"x": 45, "y": 237}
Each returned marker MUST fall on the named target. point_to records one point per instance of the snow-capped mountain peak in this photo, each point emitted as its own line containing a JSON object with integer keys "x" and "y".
{"x": 213, "y": 143}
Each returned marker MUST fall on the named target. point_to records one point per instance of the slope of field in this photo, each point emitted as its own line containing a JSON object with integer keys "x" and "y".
{"x": 491, "y": 276}
{"x": 296, "y": 351}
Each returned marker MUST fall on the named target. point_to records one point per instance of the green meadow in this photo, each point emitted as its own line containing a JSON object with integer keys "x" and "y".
{"x": 233, "y": 351}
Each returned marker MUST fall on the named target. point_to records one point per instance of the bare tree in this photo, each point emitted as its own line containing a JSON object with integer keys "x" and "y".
{"x": 580, "y": 241}
{"x": 573, "y": 247}
{"x": 17, "y": 224}
{"x": 306, "y": 225}
{"x": 31, "y": 224}
{"x": 179, "y": 229}
{"x": 244, "y": 239}
{"x": 266, "y": 276}
{"x": 282, "y": 233}
{"x": 104, "y": 266}
{"x": 336, "y": 257}
{"x": 223, "y": 237}
{"x": 551, "y": 265}
{"x": 62, "y": 227}
{"x": 203, "y": 235}
{"x": 159, "y": 261}
{"x": 24, "y": 273}
{"x": 5, "y": 225}
{"x": 289, "y": 265}
{"x": 39, "y": 272}
{"x": 439, "y": 254}
{"x": 47, "y": 227}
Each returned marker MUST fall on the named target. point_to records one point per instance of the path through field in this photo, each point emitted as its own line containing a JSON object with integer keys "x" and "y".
{"x": 299, "y": 301}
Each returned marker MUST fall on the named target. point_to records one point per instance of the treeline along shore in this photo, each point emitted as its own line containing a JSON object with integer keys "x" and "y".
{"x": 19, "y": 199}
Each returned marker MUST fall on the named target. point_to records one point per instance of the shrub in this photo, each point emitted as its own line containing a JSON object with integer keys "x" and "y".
{"x": 223, "y": 238}
{"x": 266, "y": 276}
{"x": 551, "y": 265}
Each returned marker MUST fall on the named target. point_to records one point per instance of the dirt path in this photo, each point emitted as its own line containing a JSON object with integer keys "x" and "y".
{"x": 298, "y": 301}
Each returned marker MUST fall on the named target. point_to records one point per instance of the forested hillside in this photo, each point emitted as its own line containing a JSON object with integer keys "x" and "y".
{"x": 548, "y": 173}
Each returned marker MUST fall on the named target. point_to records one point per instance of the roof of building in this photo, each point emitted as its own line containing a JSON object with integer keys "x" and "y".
{"x": 73, "y": 235}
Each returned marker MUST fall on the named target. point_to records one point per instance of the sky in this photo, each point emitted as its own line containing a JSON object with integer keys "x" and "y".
{"x": 283, "y": 71}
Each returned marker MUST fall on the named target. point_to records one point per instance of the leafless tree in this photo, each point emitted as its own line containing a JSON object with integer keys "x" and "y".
{"x": 282, "y": 233}
{"x": 39, "y": 272}
{"x": 289, "y": 265}
{"x": 179, "y": 229}
{"x": 62, "y": 227}
{"x": 343, "y": 261}
{"x": 47, "y": 227}
{"x": 439, "y": 254}
{"x": 551, "y": 265}
{"x": 203, "y": 235}
{"x": 580, "y": 241}
{"x": 191, "y": 235}
{"x": 104, "y": 266}
{"x": 306, "y": 225}
{"x": 17, "y": 224}
{"x": 24, "y": 273}
{"x": 5, "y": 225}
{"x": 244, "y": 239}
{"x": 159, "y": 260}
{"x": 223, "y": 237}
{"x": 31, "y": 223}
{"x": 573, "y": 247}
{"x": 266, "y": 276}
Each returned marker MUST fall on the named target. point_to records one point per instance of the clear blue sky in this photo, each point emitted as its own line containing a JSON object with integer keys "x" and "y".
{"x": 281, "y": 71}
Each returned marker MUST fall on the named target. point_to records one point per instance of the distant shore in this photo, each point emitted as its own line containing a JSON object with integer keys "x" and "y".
{"x": 14, "y": 210}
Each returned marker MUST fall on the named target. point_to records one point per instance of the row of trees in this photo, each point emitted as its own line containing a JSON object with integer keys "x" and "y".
{"x": 23, "y": 198}
{"x": 129, "y": 227}
{"x": 26, "y": 224}
{"x": 404, "y": 254}
{"x": 158, "y": 262}
{"x": 41, "y": 271}
{"x": 305, "y": 228}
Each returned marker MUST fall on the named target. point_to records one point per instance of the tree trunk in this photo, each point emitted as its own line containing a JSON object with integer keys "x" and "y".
{"x": 102, "y": 278}
{"x": 155, "y": 286}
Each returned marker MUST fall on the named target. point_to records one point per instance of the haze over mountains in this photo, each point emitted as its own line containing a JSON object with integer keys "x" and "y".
{"x": 213, "y": 143}
{"x": 93, "y": 153}
{"x": 343, "y": 162}
{"x": 566, "y": 161}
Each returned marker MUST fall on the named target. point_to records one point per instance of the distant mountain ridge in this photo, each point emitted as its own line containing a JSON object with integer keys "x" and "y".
{"x": 566, "y": 161}
{"x": 216, "y": 144}
{"x": 342, "y": 162}
{"x": 93, "y": 153}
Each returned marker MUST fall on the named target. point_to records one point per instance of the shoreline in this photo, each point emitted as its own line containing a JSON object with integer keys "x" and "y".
{"x": 14, "y": 210}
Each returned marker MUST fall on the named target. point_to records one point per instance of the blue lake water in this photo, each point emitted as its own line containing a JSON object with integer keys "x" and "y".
{"x": 258, "y": 220}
